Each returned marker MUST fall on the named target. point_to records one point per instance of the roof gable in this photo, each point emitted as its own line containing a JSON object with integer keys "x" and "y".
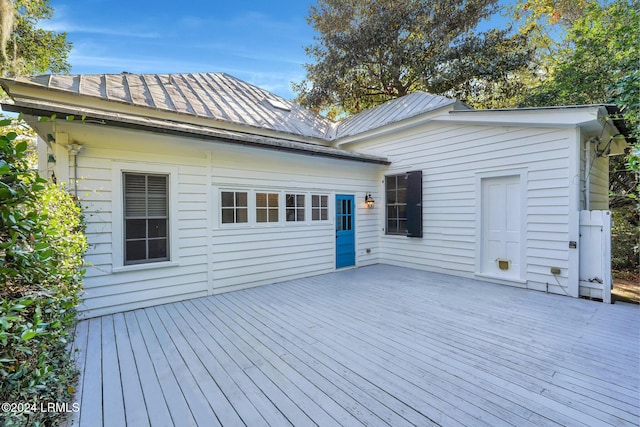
{"x": 393, "y": 111}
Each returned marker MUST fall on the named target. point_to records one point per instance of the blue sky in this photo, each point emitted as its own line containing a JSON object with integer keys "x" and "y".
{"x": 261, "y": 42}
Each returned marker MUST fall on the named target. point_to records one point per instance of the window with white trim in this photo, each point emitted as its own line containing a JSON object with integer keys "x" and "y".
{"x": 146, "y": 218}
{"x": 267, "y": 207}
{"x": 234, "y": 207}
{"x": 404, "y": 204}
{"x": 319, "y": 207}
{"x": 396, "y": 187}
{"x": 295, "y": 205}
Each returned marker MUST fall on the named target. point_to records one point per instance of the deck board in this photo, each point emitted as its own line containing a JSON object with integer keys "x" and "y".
{"x": 373, "y": 346}
{"x": 452, "y": 387}
{"x": 154, "y": 401}
{"x": 133, "y": 397}
{"x": 91, "y": 404}
{"x": 112, "y": 397}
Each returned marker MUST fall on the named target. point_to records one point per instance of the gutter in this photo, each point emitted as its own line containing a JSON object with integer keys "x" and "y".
{"x": 46, "y": 109}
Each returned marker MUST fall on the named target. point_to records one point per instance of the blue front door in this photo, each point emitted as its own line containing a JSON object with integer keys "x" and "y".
{"x": 345, "y": 231}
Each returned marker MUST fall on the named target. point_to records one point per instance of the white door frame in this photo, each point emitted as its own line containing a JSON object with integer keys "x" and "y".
{"x": 521, "y": 173}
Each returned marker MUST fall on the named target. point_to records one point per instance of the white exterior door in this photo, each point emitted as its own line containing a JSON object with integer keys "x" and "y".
{"x": 501, "y": 227}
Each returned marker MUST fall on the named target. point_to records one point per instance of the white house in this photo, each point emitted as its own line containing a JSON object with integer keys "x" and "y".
{"x": 197, "y": 184}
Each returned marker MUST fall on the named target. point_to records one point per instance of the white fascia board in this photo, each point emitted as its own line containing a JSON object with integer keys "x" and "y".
{"x": 590, "y": 118}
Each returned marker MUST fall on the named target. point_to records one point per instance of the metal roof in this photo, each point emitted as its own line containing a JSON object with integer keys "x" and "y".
{"x": 150, "y": 124}
{"x": 226, "y": 99}
{"x": 215, "y": 96}
{"x": 393, "y": 111}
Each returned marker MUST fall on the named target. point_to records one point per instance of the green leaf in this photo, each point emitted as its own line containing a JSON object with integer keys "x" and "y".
{"x": 27, "y": 335}
{"x": 21, "y": 147}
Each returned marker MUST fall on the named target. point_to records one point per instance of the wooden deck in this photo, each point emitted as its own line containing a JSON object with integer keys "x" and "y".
{"x": 373, "y": 346}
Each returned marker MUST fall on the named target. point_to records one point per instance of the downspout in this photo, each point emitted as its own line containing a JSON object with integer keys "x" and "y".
{"x": 587, "y": 170}
{"x": 595, "y": 140}
{"x": 74, "y": 149}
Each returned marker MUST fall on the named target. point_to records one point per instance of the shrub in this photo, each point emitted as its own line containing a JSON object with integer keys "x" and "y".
{"x": 625, "y": 239}
{"x": 41, "y": 268}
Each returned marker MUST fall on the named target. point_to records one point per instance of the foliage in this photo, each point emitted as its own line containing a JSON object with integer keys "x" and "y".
{"x": 27, "y": 49}
{"x": 41, "y": 268}
{"x": 625, "y": 250}
{"x": 596, "y": 62}
{"x": 599, "y": 51}
{"x": 370, "y": 51}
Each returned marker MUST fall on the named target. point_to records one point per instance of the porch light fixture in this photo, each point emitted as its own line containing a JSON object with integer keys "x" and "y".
{"x": 369, "y": 201}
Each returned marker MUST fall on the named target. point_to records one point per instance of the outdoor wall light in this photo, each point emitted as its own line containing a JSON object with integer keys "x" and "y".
{"x": 369, "y": 200}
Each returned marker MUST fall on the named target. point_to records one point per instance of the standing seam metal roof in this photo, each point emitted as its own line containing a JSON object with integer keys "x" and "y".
{"x": 209, "y": 95}
{"x": 225, "y": 98}
{"x": 390, "y": 112}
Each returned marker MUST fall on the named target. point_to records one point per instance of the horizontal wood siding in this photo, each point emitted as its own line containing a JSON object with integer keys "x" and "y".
{"x": 210, "y": 258}
{"x": 595, "y": 168}
{"x": 107, "y": 291}
{"x": 451, "y": 158}
{"x": 246, "y": 255}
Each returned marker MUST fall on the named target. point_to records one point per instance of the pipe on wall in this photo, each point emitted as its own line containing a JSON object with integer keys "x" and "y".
{"x": 74, "y": 150}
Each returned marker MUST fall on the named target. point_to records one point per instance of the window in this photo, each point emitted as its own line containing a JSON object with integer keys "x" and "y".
{"x": 146, "y": 218}
{"x": 319, "y": 207}
{"x": 404, "y": 204}
{"x": 396, "y": 204}
{"x": 266, "y": 207}
{"x": 295, "y": 207}
{"x": 234, "y": 207}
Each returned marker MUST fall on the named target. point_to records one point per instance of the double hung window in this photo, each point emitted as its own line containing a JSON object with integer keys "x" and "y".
{"x": 146, "y": 218}
{"x": 404, "y": 204}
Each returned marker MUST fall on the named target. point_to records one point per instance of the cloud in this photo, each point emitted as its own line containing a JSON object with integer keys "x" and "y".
{"x": 278, "y": 82}
{"x": 68, "y": 27}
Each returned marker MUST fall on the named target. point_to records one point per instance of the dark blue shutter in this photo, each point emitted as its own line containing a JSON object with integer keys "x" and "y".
{"x": 414, "y": 203}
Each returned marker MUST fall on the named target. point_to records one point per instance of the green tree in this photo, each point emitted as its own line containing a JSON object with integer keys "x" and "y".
{"x": 595, "y": 62}
{"x": 370, "y": 51}
{"x": 26, "y": 49}
{"x": 599, "y": 50}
